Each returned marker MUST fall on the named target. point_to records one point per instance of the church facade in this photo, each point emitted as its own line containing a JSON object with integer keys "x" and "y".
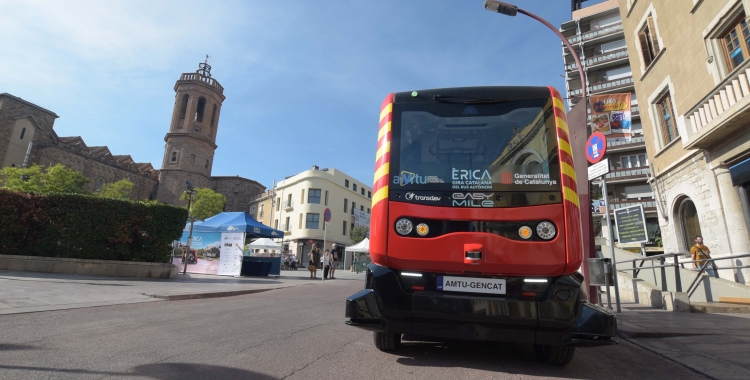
{"x": 27, "y": 136}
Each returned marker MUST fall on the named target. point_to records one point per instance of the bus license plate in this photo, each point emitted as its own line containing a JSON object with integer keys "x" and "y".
{"x": 471, "y": 284}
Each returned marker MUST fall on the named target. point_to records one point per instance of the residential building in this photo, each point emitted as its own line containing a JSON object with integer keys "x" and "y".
{"x": 299, "y": 206}
{"x": 597, "y": 35}
{"x": 261, "y": 208}
{"x": 691, "y": 74}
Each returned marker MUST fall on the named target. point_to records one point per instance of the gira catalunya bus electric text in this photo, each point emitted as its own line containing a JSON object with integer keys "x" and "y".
{"x": 475, "y": 231}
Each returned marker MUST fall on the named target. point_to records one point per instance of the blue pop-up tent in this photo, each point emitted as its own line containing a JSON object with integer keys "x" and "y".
{"x": 236, "y": 222}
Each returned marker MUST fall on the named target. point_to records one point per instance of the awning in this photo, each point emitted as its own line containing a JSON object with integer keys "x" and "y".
{"x": 237, "y": 222}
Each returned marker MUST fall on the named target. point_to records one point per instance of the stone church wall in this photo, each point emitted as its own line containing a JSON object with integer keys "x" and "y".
{"x": 240, "y": 192}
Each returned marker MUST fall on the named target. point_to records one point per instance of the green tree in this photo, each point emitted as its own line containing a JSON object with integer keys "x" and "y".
{"x": 56, "y": 179}
{"x": 206, "y": 203}
{"x": 118, "y": 190}
{"x": 359, "y": 233}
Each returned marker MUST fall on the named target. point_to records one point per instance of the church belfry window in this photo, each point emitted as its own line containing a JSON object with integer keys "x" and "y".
{"x": 174, "y": 156}
{"x": 200, "y": 110}
{"x": 206, "y": 164}
{"x": 23, "y": 132}
{"x": 192, "y": 158}
{"x": 183, "y": 107}
{"x": 213, "y": 118}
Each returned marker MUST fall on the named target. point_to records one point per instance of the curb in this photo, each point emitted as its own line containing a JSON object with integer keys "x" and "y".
{"x": 197, "y": 296}
{"x": 720, "y": 309}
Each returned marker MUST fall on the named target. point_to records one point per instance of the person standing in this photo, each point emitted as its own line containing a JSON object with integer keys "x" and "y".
{"x": 326, "y": 264}
{"x": 313, "y": 260}
{"x": 334, "y": 259}
{"x": 294, "y": 262}
{"x": 701, "y": 252}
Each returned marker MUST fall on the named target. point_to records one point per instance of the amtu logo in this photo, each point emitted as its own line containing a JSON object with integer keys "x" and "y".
{"x": 506, "y": 178}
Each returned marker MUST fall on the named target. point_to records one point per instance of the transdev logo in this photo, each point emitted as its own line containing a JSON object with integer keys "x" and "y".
{"x": 506, "y": 178}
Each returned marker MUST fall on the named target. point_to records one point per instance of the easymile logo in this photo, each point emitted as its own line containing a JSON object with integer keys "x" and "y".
{"x": 472, "y": 200}
{"x": 428, "y": 198}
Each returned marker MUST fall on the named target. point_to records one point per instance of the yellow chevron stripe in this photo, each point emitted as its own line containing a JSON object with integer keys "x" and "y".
{"x": 565, "y": 147}
{"x": 379, "y": 195}
{"x": 385, "y": 148}
{"x": 570, "y": 196}
{"x": 383, "y": 130}
{"x": 569, "y": 171}
{"x": 562, "y": 125}
{"x": 382, "y": 170}
{"x": 386, "y": 111}
{"x": 558, "y": 103}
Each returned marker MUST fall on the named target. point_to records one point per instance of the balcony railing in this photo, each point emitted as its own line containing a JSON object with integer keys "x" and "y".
{"x": 635, "y": 173}
{"x": 288, "y": 205}
{"x": 587, "y": 36}
{"x": 601, "y": 58}
{"x": 721, "y": 111}
{"x": 604, "y": 86}
{"x": 634, "y": 141}
{"x": 286, "y": 228}
{"x": 202, "y": 78}
{"x": 648, "y": 205}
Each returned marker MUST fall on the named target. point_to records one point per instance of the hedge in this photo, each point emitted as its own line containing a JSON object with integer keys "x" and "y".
{"x": 87, "y": 227}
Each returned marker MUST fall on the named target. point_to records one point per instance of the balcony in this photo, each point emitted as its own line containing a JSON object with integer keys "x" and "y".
{"x": 649, "y": 205}
{"x": 286, "y": 228}
{"x": 288, "y": 205}
{"x": 607, "y": 86}
{"x": 613, "y": 56}
{"x": 722, "y": 113}
{"x": 619, "y": 146}
{"x": 628, "y": 175}
{"x": 588, "y": 36}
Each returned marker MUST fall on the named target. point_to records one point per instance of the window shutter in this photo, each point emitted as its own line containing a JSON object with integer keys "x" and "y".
{"x": 654, "y": 38}
{"x": 662, "y": 123}
{"x": 643, "y": 40}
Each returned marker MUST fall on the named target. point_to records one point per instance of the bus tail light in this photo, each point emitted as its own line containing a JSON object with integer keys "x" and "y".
{"x": 546, "y": 230}
{"x": 423, "y": 229}
{"x": 525, "y": 232}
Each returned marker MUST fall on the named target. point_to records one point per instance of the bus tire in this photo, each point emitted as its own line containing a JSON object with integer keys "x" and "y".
{"x": 556, "y": 355}
{"x": 386, "y": 342}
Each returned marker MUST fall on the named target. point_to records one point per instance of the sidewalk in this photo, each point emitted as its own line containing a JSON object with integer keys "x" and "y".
{"x": 715, "y": 345}
{"x": 25, "y": 292}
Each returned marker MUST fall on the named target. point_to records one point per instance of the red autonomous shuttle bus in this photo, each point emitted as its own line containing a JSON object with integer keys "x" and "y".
{"x": 475, "y": 227}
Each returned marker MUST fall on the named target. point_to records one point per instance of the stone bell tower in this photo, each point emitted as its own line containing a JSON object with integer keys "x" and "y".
{"x": 191, "y": 140}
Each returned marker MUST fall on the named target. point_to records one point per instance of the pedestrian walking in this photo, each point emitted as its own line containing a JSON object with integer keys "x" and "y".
{"x": 700, "y": 252}
{"x": 326, "y": 264}
{"x": 313, "y": 259}
{"x": 294, "y": 262}
{"x": 334, "y": 259}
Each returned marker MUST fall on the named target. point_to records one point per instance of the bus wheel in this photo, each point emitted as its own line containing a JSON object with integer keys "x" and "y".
{"x": 557, "y": 355}
{"x": 386, "y": 342}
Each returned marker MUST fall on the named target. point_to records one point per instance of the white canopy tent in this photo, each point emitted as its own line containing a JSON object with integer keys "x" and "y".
{"x": 264, "y": 244}
{"x": 363, "y": 247}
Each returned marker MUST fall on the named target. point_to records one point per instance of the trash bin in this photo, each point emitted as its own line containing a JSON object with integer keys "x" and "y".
{"x": 597, "y": 272}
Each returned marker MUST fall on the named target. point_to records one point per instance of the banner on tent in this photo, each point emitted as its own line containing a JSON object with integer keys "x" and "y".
{"x": 206, "y": 251}
{"x": 232, "y": 250}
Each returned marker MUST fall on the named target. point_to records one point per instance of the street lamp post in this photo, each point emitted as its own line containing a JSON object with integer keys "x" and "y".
{"x": 512, "y": 10}
{"x": 190, "y": 191}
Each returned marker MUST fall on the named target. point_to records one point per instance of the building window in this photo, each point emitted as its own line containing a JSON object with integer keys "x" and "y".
{"x": 362, "y": 208}
{"x": 278, "y": 203}
{"x": 200, "y": 110}
{"x": 206, "y": 166}
{"x": 326, "y": 200}
{"x": 313, "y": 221}
{"x": 666, "y": 119}
{"x": 99, "y": 183}
{"x": 302, "y": 197}
{"x": 354, "y": 187}
{"x": 368, "y": 210}
{"x": 363, "y": 191}
{"x": 649, "y": 42}
{"x": 736, "y": 42}
{"x": 288, "y": 201}
{"x": 369, "y": 195}
{"x": 174, "y": 156}
{"x": 287, "y": 226}
{"x": 213, "y": 118}
{"x": 262, "y": 210}
{"x": 634, "y": 161}
{"x": 313, "y": 196}
{"x": 346, "y": 183}
{"x": 354, "y": 207}
{"x": 300, "y": 221}
{"x": 276, "y": 224}
{"x": 192, "y": 158}
{"x": 183, "y": 108}
{"x": 350, "y": 230}
{"x": 346, "y": 203}
{"x": 23, "y": 132}
{"x": 344, "y": 231}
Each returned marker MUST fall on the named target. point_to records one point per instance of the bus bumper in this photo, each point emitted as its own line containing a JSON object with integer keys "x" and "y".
{"x": 561, "y": 316}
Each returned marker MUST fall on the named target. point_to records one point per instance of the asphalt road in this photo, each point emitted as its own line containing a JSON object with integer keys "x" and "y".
{"x": 296, "y": 333}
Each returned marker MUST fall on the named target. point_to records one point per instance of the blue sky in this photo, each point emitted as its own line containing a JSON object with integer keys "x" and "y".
{"x": 303, "y": 79}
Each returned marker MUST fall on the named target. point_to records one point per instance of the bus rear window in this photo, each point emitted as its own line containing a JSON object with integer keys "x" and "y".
{"x": 506, "y": 147}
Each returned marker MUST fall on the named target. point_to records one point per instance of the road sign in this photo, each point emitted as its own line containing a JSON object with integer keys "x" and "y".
{"x": 599, "y": 169}
{"x": 631, "y": 224}
{"x": 327, "y": 215}
{"x": 596, "y": 146}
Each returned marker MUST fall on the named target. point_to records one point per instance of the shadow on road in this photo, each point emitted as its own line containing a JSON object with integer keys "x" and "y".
{"x": 159, "y": 371}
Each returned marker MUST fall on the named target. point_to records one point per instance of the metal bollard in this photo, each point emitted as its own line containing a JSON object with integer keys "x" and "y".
{"x": 662, "y": 262}
{"x": 677, "y": 280}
